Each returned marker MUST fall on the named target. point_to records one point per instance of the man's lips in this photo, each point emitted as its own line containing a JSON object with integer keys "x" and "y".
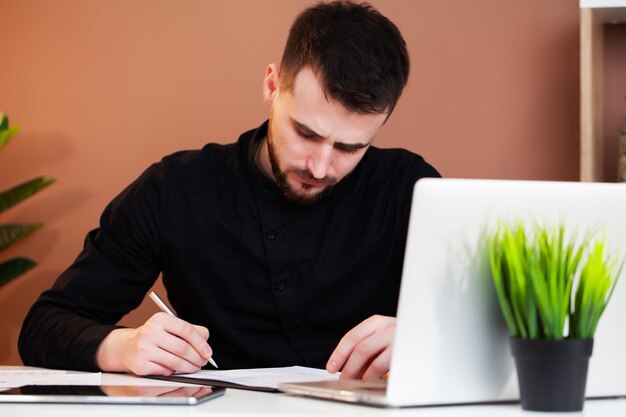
{"x": 309, "y": 181}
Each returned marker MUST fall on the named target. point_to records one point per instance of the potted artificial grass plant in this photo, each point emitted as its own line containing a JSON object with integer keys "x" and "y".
{"x": 552, "y": 288}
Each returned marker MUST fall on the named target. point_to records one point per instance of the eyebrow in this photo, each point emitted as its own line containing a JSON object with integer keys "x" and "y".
{"x": 312, "y": 133}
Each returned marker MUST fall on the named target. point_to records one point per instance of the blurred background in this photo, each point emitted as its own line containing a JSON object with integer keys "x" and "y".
{"x": 103, "y": 88}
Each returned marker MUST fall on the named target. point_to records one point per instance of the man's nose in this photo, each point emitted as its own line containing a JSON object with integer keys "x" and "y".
{"x": 319, "y": 161}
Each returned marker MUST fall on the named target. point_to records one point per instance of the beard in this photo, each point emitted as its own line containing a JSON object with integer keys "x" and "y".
{"x": 299, "y": 196}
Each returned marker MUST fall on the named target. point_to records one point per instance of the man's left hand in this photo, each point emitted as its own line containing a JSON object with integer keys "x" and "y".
{"x": 365, "y": 351}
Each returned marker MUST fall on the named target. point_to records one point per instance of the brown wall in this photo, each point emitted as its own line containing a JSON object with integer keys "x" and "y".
{"x": 102, "y": 88}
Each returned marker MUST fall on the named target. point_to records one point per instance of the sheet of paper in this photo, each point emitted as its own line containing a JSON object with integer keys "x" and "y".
{"x": 265, "y": 377}
{"x": 18, "y": 377}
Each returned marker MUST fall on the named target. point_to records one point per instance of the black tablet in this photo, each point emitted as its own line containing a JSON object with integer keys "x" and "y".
{"x": 110, "y": 394}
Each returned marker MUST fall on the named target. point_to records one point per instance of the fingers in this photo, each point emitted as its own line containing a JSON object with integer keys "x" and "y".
{"x": 351, "y": 339}
{"x": 165, "y": 345}
{"x": 365, "y": 351}
{"x": 202, "y": 331}
{"x": 371, "y": 357}
{"x": 379, "y": 367}
{"x": 189, "y": 335}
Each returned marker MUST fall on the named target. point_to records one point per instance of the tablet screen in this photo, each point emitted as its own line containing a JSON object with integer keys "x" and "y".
{"x": 110, "y": 394}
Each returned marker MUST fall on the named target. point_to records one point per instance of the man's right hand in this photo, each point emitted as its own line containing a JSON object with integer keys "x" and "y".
{"x": 162, "y": 346}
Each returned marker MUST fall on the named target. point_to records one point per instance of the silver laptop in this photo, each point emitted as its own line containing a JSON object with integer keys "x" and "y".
{"x": 451, "y": 345}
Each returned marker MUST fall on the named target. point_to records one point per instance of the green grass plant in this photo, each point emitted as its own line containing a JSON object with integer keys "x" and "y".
{"x": 550, "y": 284}
{"x": 12, "y": 233}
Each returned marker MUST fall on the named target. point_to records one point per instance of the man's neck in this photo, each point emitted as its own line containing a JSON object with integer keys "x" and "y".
{"x": 262, "y": 160}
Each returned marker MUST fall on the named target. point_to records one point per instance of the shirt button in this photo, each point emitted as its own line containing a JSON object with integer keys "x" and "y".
{"x": 279, "y": 286}
{"x": 271, "y": 236}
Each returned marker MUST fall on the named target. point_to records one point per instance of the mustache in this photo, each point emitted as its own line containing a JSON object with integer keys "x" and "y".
{"x": 307, "y": 175}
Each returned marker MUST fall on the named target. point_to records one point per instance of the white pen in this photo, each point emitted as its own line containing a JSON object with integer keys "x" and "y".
{"x": 157, "y": 300}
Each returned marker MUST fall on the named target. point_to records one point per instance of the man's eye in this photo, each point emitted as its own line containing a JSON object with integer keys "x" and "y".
{"x": 346, "y": 149}
{"x": 306, "y": 135}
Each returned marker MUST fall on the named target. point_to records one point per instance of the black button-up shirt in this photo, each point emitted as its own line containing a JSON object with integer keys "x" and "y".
{"x": 277, "y": 284}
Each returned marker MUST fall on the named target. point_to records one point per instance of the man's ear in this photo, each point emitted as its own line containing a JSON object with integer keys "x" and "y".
{"x": 270, "y": 83}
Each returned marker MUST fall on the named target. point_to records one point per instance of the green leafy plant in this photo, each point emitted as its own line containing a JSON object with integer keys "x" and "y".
{"x": 12, "y": 233}
{"x": 549, "y": 286}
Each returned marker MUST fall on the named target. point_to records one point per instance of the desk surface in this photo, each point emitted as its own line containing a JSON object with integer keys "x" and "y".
{"x": 248, "y": 403}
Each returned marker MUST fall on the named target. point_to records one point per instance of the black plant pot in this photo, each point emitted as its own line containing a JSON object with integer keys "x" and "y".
{"x": 552, "y": 374}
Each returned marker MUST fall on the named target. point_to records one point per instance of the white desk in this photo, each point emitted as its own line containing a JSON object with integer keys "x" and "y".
{"x": 248, "y": 403}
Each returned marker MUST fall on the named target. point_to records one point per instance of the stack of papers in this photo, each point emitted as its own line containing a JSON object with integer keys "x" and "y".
{"x": 257, "y": 379}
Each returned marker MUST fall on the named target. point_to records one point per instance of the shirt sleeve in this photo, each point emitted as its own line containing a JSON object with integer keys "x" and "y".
{"x": 119, "y": 262}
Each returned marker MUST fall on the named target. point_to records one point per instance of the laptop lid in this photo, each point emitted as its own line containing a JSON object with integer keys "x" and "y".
{"x": 451, "y": 343}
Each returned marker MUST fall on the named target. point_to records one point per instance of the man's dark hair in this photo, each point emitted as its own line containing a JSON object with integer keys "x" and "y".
{"x": 358, "y": 54}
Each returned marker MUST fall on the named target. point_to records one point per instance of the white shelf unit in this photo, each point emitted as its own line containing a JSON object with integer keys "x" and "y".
{"x": 594, "y": 14}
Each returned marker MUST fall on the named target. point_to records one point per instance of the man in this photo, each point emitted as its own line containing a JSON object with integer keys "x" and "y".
{"x": 287, "y": 245}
